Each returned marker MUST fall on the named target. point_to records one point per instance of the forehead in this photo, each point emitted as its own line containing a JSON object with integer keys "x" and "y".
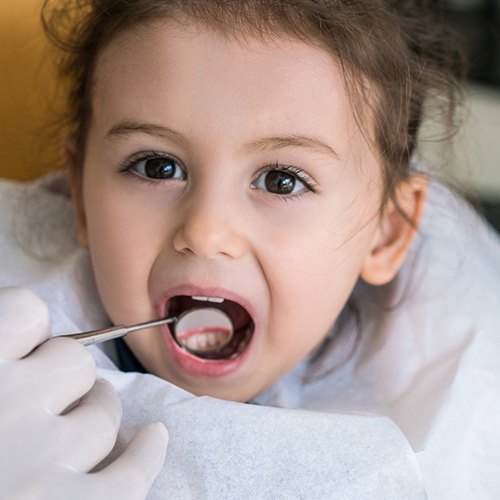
{"x": 190, "y": 49}
{"x": 277, "y": 83}
{"x": 190, "y": 35}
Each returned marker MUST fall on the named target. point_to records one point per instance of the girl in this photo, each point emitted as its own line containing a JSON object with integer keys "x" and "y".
{"x": 253, "y": 157}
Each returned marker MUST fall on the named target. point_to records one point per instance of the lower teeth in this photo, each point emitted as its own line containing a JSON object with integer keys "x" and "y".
{"x": 230, "y": 348}
{"x": 201, "y": 330}
{"x": 205, "y": 342}
{"x": 208, "y": 332}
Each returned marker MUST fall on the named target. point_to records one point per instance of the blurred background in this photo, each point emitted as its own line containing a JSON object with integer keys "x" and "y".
{"x": 477, "y": 23}
{"x": 476, "y": 161}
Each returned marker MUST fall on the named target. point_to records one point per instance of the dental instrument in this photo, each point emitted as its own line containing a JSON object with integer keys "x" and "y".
{"x": 193, "y": 319}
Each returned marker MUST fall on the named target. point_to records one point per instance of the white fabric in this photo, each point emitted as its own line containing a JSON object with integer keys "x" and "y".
{"x": 427, "y": 364}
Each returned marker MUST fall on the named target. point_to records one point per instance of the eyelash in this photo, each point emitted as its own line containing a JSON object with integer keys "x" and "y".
{"x": 308, "y": 182}
{"x": 310, "y": 185}
{"x": 126, "y": 167}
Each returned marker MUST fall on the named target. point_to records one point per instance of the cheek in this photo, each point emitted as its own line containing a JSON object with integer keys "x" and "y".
{"x": 329, "y": 240}
{"x": 123, "y": 246}
{"x": 316, "y": 271}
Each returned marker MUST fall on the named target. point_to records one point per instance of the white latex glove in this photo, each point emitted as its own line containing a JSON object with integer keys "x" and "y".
{"x": 57, "y": 422}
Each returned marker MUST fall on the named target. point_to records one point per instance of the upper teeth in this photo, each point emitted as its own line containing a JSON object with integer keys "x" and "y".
{"x": 218, "y": 300}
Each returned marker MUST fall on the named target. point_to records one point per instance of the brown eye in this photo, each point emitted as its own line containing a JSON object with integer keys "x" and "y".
{"x": 158, "y": 168}
{"x": 283, "y": 180}
{"x": 280, "y": 182}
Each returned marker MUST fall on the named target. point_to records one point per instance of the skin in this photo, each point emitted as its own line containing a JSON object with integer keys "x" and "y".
{"x": 292, "y": 259}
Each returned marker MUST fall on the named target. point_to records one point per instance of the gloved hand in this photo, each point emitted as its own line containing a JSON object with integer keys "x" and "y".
{"x": 57, "y": 422}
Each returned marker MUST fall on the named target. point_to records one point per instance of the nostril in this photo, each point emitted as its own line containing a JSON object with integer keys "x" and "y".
{"x": 181, "y": 247}
{"x": 209, "y": 238}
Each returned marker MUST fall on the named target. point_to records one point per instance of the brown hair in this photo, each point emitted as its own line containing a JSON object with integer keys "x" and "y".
{"x": 396, "y": 46}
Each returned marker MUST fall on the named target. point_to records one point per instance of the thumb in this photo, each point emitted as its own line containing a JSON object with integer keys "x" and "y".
{"x": 24, "y": 322}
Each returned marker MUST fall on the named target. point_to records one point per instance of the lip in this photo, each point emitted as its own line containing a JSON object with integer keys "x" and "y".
{"x": 190, "y": 364}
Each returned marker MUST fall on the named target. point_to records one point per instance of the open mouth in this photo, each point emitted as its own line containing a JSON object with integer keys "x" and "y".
{"x": 211, "y": 341}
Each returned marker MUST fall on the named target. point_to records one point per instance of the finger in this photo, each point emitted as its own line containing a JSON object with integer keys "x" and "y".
{"x": 52, "y": 484}
{"x": 24, "y": 322}
{"x": 90, "y": 429}
{"x": 132, "y": 474}
{"x": 56, "y": 374}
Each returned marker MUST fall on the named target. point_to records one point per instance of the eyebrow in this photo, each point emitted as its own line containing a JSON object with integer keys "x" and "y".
{"x": 294, "y": 141}
{"x": 128, "y": 127}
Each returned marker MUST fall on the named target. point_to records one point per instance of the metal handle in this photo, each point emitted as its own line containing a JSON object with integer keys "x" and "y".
{"x": 103, "y": 334}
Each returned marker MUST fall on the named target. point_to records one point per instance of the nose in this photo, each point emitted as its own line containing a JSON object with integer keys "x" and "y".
{"x": 210, "y": 227}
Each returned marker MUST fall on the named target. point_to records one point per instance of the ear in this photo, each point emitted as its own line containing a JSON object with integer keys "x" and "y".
{"x": 396, "y": 231}
{"x": 74, "y": 166}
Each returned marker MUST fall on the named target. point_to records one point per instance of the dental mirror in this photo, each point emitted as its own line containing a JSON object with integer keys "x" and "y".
{"x": 203, "y": 330}
{"x": 197, "y": 330}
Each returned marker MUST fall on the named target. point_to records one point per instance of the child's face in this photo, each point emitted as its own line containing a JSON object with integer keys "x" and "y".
{"x": 232, "y": 170}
